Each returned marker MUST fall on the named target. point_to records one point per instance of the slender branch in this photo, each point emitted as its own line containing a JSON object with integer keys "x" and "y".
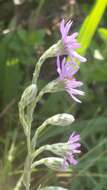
{"x": 37, "y": 163}
{"x": 39, "y": 151}
{"x": 38, "y": 131}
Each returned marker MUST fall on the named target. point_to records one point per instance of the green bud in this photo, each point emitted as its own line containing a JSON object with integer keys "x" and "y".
{"x": 26, "y": 101}
{"x": 54, "y": 163}
{"x": 28, "y": 95}
{"x": 59, "y": 149}
{"x": 54, "y": 86}
{"x": 62, "y": 119}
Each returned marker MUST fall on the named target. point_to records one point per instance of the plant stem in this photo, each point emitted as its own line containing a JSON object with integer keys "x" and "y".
{"x": 26, "y": 108}
{"x": 37, "y": 163}
{"x": 28, "y": 172}
{"x": 38, "y": 131}
{"x": 39, "y": 151}
{"x": 51, "y": 52}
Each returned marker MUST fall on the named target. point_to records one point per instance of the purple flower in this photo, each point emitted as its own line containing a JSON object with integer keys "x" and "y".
{"x": 69, "y": 41}
{"x": 66, "y": 71}
{"x": 74, "y": 149}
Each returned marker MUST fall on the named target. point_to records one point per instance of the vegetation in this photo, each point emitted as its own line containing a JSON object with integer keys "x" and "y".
{"x": 26, "y": 30}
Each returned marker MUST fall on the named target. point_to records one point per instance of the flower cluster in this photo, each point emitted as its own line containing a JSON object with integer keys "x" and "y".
{"x": 69, "y": 67}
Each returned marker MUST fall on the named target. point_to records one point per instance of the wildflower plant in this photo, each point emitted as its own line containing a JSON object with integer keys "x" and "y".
{"x": 65, "y": 154}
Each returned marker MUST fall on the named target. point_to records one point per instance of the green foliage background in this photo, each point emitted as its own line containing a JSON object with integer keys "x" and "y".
{"x": 24, "y": 35}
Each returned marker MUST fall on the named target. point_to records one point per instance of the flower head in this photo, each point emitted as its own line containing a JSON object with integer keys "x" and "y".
{"x": 66, "y": 153}
{"x": 69, "y": 41}
{"x": 66, "y": 71}
{"x": 74, "y": 148}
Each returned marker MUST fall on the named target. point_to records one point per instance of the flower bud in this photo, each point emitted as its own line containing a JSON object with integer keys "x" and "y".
{"x": 55, "y": 163}
{"x": 27, "y": 99}
{"x": 29, "y": 95}
{"x": 54, "y": 86}
{"x": 59, "y": 149}
{"x": 63, "y": 119}
{"x": 55, "y": 49}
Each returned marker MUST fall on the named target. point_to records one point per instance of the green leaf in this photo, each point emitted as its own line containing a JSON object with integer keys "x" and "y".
{"x": 90, "y": 25}
{"x": 97, "y": 72}
{"x": 36, "y": 37}
{"x": 11, "y": 80}
{"x": 31, "y": 38}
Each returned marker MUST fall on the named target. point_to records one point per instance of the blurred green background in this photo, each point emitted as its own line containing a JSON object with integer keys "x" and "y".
{"x": 27, "y": 29}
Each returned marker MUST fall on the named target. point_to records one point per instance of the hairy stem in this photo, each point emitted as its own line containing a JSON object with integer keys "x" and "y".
{"x": 28, "y": 174}
{"x": 26, "y": 108}
{"x": 51, "y": 52}
{"x": 38, "y": 131}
